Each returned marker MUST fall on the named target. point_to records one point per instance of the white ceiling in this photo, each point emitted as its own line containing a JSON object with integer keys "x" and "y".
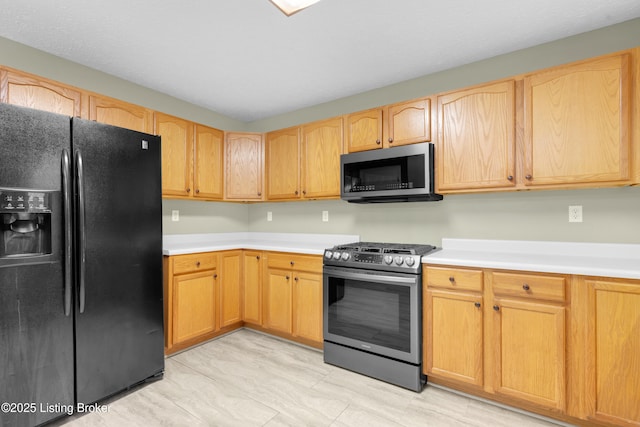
{"x": 247, "y": 60}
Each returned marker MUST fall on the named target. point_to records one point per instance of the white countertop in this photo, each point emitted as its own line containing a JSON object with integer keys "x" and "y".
{"x": 587, "y": 259}
{"x": 312, "y": 244}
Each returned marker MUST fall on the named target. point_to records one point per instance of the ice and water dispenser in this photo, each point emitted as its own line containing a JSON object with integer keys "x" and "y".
{"x": 25, "y": 223}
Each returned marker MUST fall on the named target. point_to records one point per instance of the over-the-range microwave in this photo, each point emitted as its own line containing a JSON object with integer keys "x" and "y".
{"x": 398, "y": 174}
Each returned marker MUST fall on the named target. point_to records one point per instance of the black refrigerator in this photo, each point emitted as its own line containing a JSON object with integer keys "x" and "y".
{"x": 81, "y": 315}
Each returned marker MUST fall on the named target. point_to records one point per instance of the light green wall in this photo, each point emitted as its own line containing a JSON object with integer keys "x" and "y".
{"x": 610, "y": 215}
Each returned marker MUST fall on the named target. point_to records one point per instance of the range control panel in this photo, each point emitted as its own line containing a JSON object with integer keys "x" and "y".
{"x": 24, "y": 201}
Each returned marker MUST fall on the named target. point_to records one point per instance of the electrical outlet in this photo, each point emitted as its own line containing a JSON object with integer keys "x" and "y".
{"x": 325, "y": 216}
{"x": 175, "y": 215}
{"x": 269, "y": 216}
{"x": 575, "y": 213}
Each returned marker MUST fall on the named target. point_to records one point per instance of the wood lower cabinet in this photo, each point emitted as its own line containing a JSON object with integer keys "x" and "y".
{"x": 122, "y": 114}
{"x": 230, "y": 288}
{"x": 202, "y": 297}
{"x": 292, "y": 297}
{"x": 252, "y": 265}
{"x": 453, "y": 324}
{"x": 30, "y": 91}
{"x": 243, "y": 166}
{"x": 612, "y": 366}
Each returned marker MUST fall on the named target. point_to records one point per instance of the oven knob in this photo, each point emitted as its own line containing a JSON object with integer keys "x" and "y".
{"x": 409, "y": 261}
{"x": 345, "y": 256}
{"x": 328, "y": 254}
{"x": 399, "y": 260}
{"x": 336, "y": 255}
{"x": 388, "y": 259}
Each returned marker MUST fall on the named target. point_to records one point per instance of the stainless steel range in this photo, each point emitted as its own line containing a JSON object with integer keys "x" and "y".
{"x": 373, "y": 310}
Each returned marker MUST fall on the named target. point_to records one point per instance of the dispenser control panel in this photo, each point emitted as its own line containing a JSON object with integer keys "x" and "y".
{"x": 24, "y": 201}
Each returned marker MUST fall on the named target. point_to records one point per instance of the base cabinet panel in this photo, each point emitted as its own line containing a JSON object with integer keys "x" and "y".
{"x": 194, "y": 305}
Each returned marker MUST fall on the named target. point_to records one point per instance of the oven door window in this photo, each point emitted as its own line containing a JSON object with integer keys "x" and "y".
{"x": 370, "y": 312}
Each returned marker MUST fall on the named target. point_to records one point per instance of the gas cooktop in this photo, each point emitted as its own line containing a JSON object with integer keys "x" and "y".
{"x": 399, "y": 257}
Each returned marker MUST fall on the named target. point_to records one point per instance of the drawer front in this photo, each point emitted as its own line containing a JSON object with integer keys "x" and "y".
{"x": 453, "y": 278}
{"x": 310, "y": 263}
{"x": 194, "y": 262}
{"x": 529, "y": 286}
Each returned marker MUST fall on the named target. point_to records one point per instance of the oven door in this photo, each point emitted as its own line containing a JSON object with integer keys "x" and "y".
{"x": 374, "y": 311}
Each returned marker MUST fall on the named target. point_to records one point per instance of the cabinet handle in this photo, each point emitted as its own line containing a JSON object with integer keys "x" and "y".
{"x": 304, "y": 192}
{"x": 378, "y": 141}
{"x": 452, "y": 279}
{"x": 295, "y": 278}
{"x": 257, "y": 257}
{"x": 296, "y": 193}
{"x": 286, "y": 277}
{"x": 528, "y": 177}
{"x": 292, "y": 263}
{"x": 215, "y": 276}
{"x": 510, "y": 177}
{"x": 197, "y": 263}
{"x": 390, "y": 140}
{"x": 525, "y": 287}
{"x": 477, "y": 304}
{"x": 197, "y": 191}
{"x": 259, "y": 193}
{"x": 496, "y": 307}
{"x": 188, "y": 190}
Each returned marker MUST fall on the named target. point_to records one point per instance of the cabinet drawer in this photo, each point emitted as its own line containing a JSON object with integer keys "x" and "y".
{"x": 310, "y": 263}
{"x": 453, "y": 278}
{"x": 194, "y": 262}
{"x": 529, "y": 286}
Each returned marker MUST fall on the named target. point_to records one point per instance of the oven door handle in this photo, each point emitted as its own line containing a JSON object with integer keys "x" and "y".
{"x": 371, "y": 277}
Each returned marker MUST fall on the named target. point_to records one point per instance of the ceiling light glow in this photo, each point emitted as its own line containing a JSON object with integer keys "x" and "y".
{"x": 289, "y": 7}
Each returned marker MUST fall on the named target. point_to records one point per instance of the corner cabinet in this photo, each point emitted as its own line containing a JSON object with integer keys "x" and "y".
{"x": 177, "y": 154}
{"x": 476, "y": 138}
{"x": 243, "y": 166}
{"x": 577, "y": 123}
{"x": 252, "y": 267}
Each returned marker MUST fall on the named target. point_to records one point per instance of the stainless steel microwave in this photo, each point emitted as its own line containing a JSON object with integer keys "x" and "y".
{"x": 398, "y": 174}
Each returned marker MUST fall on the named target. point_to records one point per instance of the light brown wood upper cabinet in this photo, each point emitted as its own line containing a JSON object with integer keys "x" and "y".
{"x": 397, "y": 124}
{"x": 363, "y": 130}
{"x": 577, "y": 123}
{"x": 282, "y": 164}
{"x": 177, "y": 154}
{"x": 119, "y": 113}
{"x": 208, "y": 172}
{"x": 476, "y": 138}
{"x": 321, "y": 148}
{"x": 35, "y": 92}
{"x": 243, "y": 166}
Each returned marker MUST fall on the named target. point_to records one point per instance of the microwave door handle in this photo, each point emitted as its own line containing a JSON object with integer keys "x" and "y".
{"x": 68, "y": 236}
{"x": 81, "y": 231}
{"x": 372, "y": 277}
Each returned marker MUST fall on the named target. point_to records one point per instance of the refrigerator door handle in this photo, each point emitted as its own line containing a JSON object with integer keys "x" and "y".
{"x": 81, "y": 230}
{"x": 68, "y": 236}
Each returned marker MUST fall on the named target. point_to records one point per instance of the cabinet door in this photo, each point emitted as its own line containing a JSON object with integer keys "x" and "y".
{"x": 530, "y": 351}
{"x": 282, "y": 163}
{"x": 364, "y": 130}
{"x": 41, "y": 94}
{"x": 230, "y": 288}
{"x": 577, "y": 123}
{"x": 277, "y": 300}
{"x": 177, "y": 154}
{"x": 208, "y": 163}
{"x": 476, "y": 139}
{"x": 194, "y": 305}
{"x": 253, "y": 287}
{"x": 613, "y": 340}
{"x": 307, "y": 306}
{"x": 321, "y": 149}
{"x": 243, "y": 166}
{"x": 409, "y": 122}
{"x": 453, "y": 330}
{"x": 121, "y": 114}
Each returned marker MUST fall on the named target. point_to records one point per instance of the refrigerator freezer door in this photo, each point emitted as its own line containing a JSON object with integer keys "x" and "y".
{"x": 119, "y": 333}
{"x": 36, "y": 336}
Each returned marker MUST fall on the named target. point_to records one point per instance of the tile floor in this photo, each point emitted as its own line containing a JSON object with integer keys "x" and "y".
{"x": 250, "y": 379}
